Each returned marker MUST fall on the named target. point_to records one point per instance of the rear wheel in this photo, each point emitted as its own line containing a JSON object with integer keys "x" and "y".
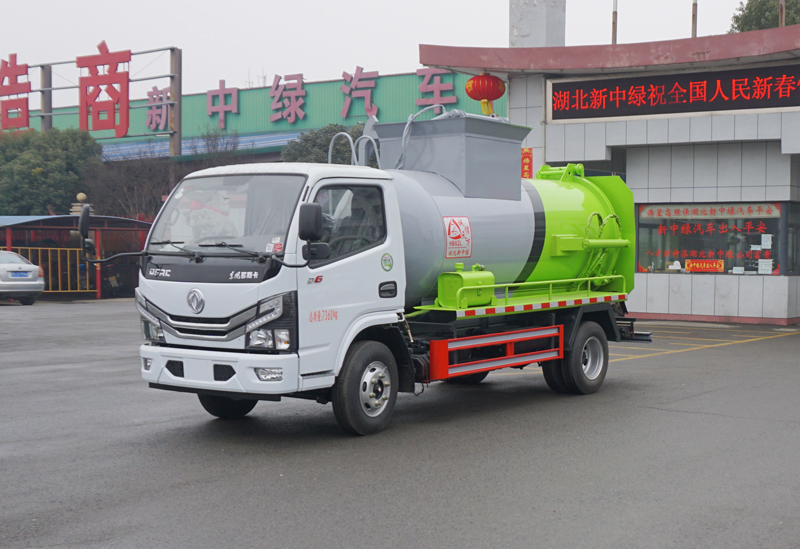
{"x": 586, "y": 365}
{"x": 27, "y": 300}
{"x": 554, "y": 377}
{"x": 365, "y": 391}
{"x": 226, "y": 408}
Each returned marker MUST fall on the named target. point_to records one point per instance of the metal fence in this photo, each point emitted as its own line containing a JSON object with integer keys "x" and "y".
{"x": 63, "y": 269}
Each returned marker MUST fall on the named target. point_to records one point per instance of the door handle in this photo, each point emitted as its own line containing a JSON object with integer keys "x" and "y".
{"x": 387, "y": 289}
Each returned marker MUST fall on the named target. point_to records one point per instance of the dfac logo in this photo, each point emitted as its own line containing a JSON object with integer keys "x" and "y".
{"x": 196, "y": 301}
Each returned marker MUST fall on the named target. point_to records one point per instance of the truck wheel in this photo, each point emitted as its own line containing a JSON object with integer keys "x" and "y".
{"x": 226, "y": 408}
{"x": 586, "y": 365}
{"x": 469, "y": 379}
{"x": 365, "y": 391}
{"x": 554, "y": 377}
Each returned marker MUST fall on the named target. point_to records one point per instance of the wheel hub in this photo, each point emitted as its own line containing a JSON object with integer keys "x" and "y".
{"x": 374, "y": 389}
{"x": 592, "y": 358}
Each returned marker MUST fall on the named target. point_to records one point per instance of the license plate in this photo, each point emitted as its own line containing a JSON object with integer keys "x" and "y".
{"x": 19, "y": 274}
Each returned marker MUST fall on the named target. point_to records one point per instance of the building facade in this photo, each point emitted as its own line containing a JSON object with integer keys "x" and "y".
{"x": 705, "y": 132}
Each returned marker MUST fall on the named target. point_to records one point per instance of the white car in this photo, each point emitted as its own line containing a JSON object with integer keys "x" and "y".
{"x": 19, "y": 278}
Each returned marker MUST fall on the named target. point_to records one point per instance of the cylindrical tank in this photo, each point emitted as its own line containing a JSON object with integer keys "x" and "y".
{"x": 517, "y": 240}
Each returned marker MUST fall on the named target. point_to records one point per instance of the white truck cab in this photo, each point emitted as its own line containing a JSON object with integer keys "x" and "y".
{"x": 224, "y": 319}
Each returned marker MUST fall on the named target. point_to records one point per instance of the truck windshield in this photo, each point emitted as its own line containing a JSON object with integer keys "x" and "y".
{"x": 246, "y": 212}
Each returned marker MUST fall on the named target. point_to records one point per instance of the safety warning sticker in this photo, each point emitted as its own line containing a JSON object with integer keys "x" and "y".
{"x": 458, "y": 237}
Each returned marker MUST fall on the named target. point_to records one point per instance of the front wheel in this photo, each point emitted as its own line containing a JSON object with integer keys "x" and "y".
{"x": 226, "y": 408}
{"x": 365, "y": 391}
{"x": 586, "y": 365}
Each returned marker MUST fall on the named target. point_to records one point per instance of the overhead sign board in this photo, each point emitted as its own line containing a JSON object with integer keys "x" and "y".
{"x": 683, "y": 93}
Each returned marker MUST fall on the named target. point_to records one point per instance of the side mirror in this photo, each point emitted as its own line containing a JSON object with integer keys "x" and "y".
{"x": 310, "y": 220}
{"x": 88, "y": 247}
{"x": 83, "y": 222}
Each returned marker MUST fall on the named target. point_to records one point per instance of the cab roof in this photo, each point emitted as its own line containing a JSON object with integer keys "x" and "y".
{"x": 313, "y": 171}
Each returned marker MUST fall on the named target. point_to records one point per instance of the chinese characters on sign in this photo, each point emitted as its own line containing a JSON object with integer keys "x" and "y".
{"x": 708, "y": 237}
{"x": 765, "y": 87}
{"x": 459, "y": 237}
{"x": 438, "y": 88}
{"x": 288, "y": 97}
{"x": 707, "y": 266}
{"x": 106, "y": 114}
{"x": 527, "y": 163}
{"x": 159, "y": 109}
{"x": 222, "y": 106}
{"x": 708, "y": 211}
{"x": 18, "y": 107}
{"x": 359, "y": 84}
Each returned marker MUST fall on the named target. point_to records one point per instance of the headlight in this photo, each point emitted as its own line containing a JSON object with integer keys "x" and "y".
{"x": 151, "y": 326}
{"x": 275, "y": 328}
{"x": 262, "y": 338}
{"x": 282, "y": 339}
{"x": 270, "y": 309}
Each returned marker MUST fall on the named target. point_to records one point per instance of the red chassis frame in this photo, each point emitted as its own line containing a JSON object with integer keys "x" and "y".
{"x": 440, "y": 350}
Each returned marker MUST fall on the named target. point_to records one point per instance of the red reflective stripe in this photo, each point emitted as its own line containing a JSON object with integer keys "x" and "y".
{"x": 562, "y": 303}
{"x": 469, "y": 313}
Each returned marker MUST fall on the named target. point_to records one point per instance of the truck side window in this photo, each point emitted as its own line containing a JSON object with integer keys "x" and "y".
{"x": 353, "y": 218}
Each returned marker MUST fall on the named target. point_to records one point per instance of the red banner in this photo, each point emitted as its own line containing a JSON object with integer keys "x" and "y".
{"x": 705, "y": 266}
{"x": 527, "y": 163}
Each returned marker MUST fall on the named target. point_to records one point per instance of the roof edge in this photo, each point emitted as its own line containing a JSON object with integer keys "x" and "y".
{"x": 748, "y": 47}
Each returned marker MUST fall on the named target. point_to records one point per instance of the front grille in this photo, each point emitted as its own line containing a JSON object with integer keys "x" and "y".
{"x": 223, "y": 372}
{"x": 175, "y": 367}
{"x": 202, "y": 320}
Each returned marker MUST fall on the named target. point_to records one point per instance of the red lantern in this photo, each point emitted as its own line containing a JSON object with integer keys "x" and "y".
{"x": 485, "y": 88}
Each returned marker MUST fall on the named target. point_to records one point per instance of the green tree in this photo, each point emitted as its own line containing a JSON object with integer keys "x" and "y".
{"x": 42, "y": 173}
{"x": 312, "y": 146}
{"x": 763, "y": 14}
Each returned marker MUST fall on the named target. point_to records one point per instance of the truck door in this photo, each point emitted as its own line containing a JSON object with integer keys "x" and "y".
{"x": 365, "y": 272}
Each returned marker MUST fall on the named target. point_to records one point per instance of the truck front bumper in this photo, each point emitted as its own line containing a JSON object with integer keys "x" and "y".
{"x": 193, "y": 370}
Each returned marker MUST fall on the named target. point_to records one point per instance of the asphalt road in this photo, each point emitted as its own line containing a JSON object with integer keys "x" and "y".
{"x": 693, "y": 441}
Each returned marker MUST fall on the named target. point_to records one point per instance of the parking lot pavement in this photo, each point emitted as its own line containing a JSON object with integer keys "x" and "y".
{"x": 691, "y": 442}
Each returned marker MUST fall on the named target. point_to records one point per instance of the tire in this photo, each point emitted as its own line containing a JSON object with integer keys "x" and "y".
{"x": 369, "y": 375}
{"x": 469, "y": 379}
{"x": 554, "y": 377}
{"x": 27, "y": 300}
{"x": 227, "y": 408}
{"x": 586, "y": 365}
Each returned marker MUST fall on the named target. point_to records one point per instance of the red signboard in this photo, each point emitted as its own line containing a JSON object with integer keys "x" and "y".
{"x": 759, "y": 88}
{"x": 705, "y": 266}
{"x": 527, "y": 163}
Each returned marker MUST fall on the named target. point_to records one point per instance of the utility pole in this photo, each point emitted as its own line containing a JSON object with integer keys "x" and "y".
{"x": 614, "y": 24}
{"x": 47, "y": 98}
{"x": 694, "y": 18}
{"x": 781, "y": 13}
{"x": 175, "y": 93}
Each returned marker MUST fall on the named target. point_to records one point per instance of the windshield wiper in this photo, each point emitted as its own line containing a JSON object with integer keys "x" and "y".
{"x": 196, "y": 256}
{"x": 261, "y": 257}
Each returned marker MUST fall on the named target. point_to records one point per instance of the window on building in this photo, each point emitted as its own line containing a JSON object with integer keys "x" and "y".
{"x": 712, "y": 238}
{"x": 793, "y": 240}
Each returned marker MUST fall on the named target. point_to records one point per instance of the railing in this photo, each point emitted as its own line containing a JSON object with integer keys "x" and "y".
{"x": 549, "y": 283}
{"x": 63, "y": 269}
